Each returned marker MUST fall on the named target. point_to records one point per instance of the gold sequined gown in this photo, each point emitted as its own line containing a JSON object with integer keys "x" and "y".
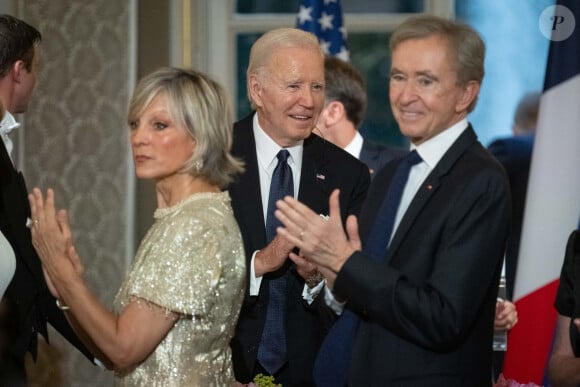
{"x": 190, "y": 262}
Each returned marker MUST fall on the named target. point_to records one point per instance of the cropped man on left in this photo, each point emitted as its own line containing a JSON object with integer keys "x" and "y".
{"x": 27, "y": 305}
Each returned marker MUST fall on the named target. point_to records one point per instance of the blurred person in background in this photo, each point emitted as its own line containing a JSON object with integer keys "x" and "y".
{"x": 345, "y": 104}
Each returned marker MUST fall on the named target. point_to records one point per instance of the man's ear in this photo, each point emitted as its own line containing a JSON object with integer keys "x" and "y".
{"x": 469, "y": 94}
{"x": 335, "y": 112}
{"x": 17, "y": 70}
{"x": 255, "y": 90}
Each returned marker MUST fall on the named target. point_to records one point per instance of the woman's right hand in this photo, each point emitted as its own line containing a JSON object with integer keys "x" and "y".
{"x": 78, "y": 265}
{"x": 49, "y": 283}
{"x": 52, "y": 239}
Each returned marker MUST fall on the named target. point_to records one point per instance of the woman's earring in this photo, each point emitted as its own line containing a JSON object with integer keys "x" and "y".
{"x": 198, "y": 165}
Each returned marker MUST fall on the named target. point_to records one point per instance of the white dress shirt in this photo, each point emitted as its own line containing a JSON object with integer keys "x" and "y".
{"x": 355, "y": 146}
{"x": 7, "y": 125}
{"x": 267, "y": 150}
{"x": 7, "y": 263}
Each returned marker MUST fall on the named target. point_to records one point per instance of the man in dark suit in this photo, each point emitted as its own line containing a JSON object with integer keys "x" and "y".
{"x": 424, "y": 303}
{"x": 27, "y": 304}
{"x": 285, "y": 80}
{"x": 345, "y": 105}
{"x": 515, "y": 154}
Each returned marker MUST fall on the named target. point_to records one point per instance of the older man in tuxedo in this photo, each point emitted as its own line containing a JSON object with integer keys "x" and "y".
{"x": 419, "y": 300}
{"x": 284, "y": 317}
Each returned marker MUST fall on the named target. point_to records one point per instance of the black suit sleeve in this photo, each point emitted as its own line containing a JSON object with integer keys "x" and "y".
{"x": 351, "y": 204}
{"x": 435, "y": 290}
{"x": 355, "y": 202}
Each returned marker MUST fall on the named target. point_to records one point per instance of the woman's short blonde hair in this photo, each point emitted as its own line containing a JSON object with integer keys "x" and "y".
{"x": 201, "y": 105}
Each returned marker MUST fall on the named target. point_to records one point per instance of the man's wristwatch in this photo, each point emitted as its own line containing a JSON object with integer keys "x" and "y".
{"x": 314, "y": 278}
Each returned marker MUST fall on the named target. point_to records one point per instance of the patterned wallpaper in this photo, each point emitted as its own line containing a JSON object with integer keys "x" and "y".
{"x": 76, "y": 141}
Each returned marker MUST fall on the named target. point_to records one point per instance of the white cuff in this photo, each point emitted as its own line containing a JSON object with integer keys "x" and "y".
{"x": 332, "y": 302}
{"x": 309, "y": 294}
{"x": 255, "y": 282}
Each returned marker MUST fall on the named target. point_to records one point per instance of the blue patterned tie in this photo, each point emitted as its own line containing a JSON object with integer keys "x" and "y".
{"x": 332, "y": 364}
{"x": 272, "y": 349}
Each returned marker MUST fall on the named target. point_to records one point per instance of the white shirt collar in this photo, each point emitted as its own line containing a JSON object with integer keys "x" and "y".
{"x": 267, "y": 149}
{"x": 355, "y": 146}
{"x": 7, "y": 125}
{"x": 432, "y": 150}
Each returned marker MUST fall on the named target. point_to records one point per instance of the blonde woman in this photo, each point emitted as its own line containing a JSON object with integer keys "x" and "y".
{"x": 176, "y": 310}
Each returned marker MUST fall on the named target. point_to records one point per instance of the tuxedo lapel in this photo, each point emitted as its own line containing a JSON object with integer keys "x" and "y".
{"x": 15, "y": 209}
{"x": 314, "y": 190}
{"x": 429, "y": 187}
{"x": 248, "y": 186}
{"x": 7, "y": 170}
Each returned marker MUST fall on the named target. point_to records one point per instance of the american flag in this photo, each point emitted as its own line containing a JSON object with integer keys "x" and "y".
{"x": 324, "y": 19}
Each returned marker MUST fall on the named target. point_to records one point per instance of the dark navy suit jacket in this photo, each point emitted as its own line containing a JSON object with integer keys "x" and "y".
{"x": 515, "y": 154}
{"x": 375, "y": 155}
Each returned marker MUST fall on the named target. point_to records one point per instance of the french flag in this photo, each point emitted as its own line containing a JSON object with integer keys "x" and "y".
{"x": 553, "y": 202}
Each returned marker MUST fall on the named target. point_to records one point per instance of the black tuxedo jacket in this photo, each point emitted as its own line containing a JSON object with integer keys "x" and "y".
{"x": 427, "y": 310}
{"x": 27, "y": 303}
{"x": 375, "y": 156}
{"x": 324, "y": 168}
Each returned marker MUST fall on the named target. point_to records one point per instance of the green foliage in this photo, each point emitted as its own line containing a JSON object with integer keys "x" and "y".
{"x": 261, "y": 380}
